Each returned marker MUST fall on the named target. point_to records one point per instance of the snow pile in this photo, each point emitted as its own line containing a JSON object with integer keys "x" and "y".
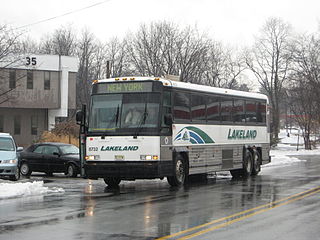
{"x": 281, "y": 157}
{"x": 14, "y": 190}
{"x": 285, "y": 151}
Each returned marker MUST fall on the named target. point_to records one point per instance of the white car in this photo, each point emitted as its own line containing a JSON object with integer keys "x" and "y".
{"x": 9, "y": 158}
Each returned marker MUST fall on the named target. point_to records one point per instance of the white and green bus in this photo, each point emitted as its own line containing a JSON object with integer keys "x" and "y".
{"x": 146, "y": 128}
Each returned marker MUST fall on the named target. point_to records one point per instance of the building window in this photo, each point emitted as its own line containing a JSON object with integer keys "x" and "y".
{"x": 29, "y": 79}
{"x": 12, "y": 79}
{"x": 1, "y": 123}
{"x": 34, "y": 125}
{"x": 17, "y": 125}
{"x": 46, "y": 80}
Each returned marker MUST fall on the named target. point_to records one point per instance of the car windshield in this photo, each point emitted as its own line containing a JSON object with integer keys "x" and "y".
{"x": 6, "y": 144}
{"x": 124, "y": 113}
{"x": 69, "y": 149}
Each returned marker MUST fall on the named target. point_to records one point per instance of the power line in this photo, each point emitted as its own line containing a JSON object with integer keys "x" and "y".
{"x": 62, "y": 15}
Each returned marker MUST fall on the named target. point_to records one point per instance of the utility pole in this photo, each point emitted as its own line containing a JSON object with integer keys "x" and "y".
{"x": 108, "y": 69}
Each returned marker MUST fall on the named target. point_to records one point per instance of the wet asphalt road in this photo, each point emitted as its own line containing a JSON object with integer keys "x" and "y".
{"x": 280, "y": 203}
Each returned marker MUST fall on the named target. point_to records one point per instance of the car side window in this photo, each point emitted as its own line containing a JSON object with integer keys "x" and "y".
{"x": 38, "y": 149}
{"x": 50, "y": 150}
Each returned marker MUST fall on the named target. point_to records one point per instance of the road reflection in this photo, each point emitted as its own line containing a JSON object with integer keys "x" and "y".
{"x": 159, "y": 210}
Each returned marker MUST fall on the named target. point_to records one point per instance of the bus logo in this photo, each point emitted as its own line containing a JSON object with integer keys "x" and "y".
{"x": 193, "y": 135}
{"x": 119, "y": 148}
{"x": 242, "y": 134}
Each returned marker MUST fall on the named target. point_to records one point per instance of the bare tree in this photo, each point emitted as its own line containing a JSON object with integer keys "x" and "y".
{"x": 117, "y": 55}
{"x": 147, "y": 49}
{"x": 162, "y": 48}
{"x": 306, "y": 90}
{"x": 306, "y": 57}
{"x": 61, "y": 42}
{"x": 10, "y": 56}
{"x": 86, "y": 52}
{"x": 223, "y": 67}
{"x": 192, "y": 50}
{"x": 303, "y": 102}
{"x": 269, "y": 60}
{"x": 9, "y": 46}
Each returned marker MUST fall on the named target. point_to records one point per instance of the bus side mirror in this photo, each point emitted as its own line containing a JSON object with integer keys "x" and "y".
{"x": 168, "y": 120}
{"x": 79, "y": 117}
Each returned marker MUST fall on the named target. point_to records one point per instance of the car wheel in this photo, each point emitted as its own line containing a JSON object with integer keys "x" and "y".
{"x": 180, "y": 172}
{"x": 71, "y": 171}
{"x": 25, "y": 170}
{"x": 16, "y": 175}
{"x": 112, "y": 181}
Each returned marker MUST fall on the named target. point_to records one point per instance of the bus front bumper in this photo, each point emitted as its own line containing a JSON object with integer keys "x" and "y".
{"x": 128, "y": 170}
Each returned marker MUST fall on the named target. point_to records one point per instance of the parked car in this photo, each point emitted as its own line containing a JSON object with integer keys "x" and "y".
{"x": 50, "y": 157}
{"x": 9, "y": 157}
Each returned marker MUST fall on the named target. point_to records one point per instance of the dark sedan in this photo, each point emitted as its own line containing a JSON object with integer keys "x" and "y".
{"x": 50, "y": 158}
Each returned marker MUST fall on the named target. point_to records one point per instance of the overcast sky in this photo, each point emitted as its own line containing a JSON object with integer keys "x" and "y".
{"x": 233, "y": 22}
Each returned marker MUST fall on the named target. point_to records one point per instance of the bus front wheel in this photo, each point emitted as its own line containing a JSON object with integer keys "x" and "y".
{"x": 180, "y": 172}
{"x": 112, "y": 181}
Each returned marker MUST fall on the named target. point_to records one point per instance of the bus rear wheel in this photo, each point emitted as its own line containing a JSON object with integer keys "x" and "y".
{"x": 256, "y": 163}
{"x": 247, "y": 167}
{"x": 180, "y": 172}
{"x": 112, "y": 181}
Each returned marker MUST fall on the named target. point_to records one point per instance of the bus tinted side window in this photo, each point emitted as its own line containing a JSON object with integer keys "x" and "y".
{"x": 226, "y": 109}
{"x": 181, "y": 109}
{"x": 261, "y": 112}
{"x": 166, "y": 109}
{"x": 198, "y": 108}
{"x": 213, "y": 108}
{"x": 251, "y": 111}
{"x": 238, "y": 111}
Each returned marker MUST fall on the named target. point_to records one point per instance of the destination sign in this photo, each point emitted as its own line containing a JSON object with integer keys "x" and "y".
{"x": 122, "y": 87}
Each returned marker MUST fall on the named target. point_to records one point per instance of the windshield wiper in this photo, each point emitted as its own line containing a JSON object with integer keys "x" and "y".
{"x": 142, "y": 121}
{"x": 115, "y": 117}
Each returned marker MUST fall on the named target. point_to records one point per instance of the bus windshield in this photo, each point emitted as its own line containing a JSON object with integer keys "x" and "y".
{"x": 124, "y": 113}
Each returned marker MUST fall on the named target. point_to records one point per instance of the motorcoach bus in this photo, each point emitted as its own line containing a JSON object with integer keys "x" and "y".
{"x": 146, "y": 128}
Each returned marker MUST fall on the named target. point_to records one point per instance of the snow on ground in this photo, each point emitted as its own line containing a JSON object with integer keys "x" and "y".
{"x": 284, "y": 152}
{"x": 25, "y": 189}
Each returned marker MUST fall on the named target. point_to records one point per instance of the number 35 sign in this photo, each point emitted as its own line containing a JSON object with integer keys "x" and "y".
{"x": 31, "y": 61}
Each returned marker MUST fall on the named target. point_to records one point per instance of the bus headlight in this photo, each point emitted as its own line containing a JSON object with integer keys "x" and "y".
{"x": 149, "y": 157}
{"x": 92, "y": 157}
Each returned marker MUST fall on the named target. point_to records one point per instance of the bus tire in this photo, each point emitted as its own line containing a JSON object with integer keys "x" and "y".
{"x": 112, "y": 181}
{"x": 180, "y": 172}
{"x": 256, "y": 159}
{"x": 247, "y": 164}
{"x": 246, "y": 170}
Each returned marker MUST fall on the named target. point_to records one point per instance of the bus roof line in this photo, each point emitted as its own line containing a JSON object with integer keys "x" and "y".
{"x": 192, "y": 86}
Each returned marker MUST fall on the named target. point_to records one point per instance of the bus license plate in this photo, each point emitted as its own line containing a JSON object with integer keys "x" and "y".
{"x": 119, "y": 157}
